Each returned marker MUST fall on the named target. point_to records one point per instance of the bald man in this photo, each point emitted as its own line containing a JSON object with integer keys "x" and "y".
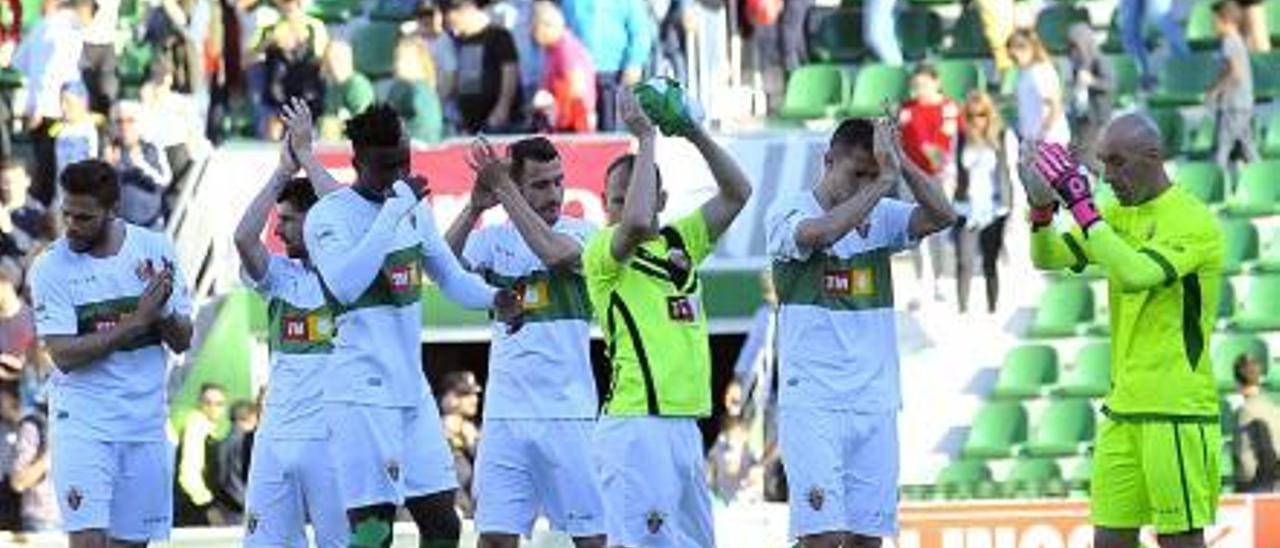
{"x": 1156, "y": 454}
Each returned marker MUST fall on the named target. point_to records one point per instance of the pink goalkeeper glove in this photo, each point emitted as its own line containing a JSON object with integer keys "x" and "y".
{"x": 1055, "y": 165}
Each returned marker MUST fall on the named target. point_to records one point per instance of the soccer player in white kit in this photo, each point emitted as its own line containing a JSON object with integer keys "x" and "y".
{"x": 535, "y": 454}
{"x": 831, "y": 248}
{"x": 291, "y": 476}
{"x": 370, "y": 243}
{"x": 109, "y": 299}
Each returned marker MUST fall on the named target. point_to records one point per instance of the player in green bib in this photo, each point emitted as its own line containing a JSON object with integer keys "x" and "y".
{"x": 643, "y": 282}
{"x": 1157, "y": 449}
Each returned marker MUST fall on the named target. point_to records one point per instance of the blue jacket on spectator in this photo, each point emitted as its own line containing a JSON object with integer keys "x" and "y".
{"x": 617, "y": 33}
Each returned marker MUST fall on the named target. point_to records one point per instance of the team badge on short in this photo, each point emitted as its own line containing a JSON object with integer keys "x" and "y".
{"x": 74, "y": 498}
{"x": 654, "y": 521}
{"x": 817, "y": 497}
{"x": 393, "y": 470}
{"x": 251, "y": 522}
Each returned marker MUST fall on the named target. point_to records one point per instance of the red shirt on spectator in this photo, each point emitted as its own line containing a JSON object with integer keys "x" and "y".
{"x": 929, "y": 132}
{"x": 13, "y": 31}
{"x": 575, "y": 108}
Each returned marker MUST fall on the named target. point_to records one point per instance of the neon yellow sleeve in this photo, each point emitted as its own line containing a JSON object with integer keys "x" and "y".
{"x": 1162, "y": 261}
{"x": 1053, "y": 250}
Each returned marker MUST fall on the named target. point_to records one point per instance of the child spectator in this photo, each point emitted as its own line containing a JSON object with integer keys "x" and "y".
{"x": 1232, "y": 94}
{"x": 347, "y": 92}
{"x": 1041, "y": 116}
{"x": 568, "y": 89}
{"x": 412, "y": 92}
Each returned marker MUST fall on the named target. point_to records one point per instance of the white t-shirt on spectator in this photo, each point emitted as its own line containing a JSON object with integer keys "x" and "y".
{"x": 1035, "y": 83}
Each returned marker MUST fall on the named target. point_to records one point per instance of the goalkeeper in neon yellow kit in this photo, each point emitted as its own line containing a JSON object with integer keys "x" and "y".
{"x": 1157, "y": 449}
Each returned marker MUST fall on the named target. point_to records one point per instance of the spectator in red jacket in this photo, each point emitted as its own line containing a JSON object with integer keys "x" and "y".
{"x": 930, "y": 122}
{"x": 568, "y": 75}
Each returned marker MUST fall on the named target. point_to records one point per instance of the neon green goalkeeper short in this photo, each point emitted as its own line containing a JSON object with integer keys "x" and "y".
{"x": 1156, "y": 472}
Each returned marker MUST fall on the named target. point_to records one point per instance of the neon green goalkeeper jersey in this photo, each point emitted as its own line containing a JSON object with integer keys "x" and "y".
{"x": 1164, "y": 264}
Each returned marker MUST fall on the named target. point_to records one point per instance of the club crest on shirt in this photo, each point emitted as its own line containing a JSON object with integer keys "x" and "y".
{"x": 817, "y": 496}
{"x": 393, "y": 470}
{"x": 854, "y": 282}
{"x": 654, "y": 520}
{"x": 74, "y": 498}
{"x": 145, "y": 269}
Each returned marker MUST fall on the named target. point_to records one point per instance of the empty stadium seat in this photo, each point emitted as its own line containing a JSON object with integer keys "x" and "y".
{"x": 958, "y": 77}
{"x": 1203, "y": 180}
{"x": 1227, "y": 350}
{"x": 1227, "y": 300}
{"x": 1273, "y": 19}
{"x": 875, "y": 85}
{"x": 1184, "y": 80}
{"x": 998, "y": 427}
{"x": 1269, "y": 254}
{"x": 1200, "y": 32}
{"x": 1081, "y": 475}
{"x": 1025, "y": 372}
{"x": 1053, "y": 22}
{"x": 1261, "y": 307}
{"x": 961, "y": 478}
{"x": 814, "y": 91}
{"x": 1064, "y": 305}
{"x": 1091, "y": 376}
{"x": 1063, "y": 429}
{"x": 1035, "y": 478}
{"x": 1201, "y": 143}
{"x": 1127, "y": 80}
{"x": 1172, "y": 127}
{"x": 837, "y": 36}
{"x": 1270, "y": 146}
{"x": 1241, "y": 244}
{"x": 967, "y": 38}
{"x": 374, "y": 44}
{"x": 919, "y": 32}
{"x": 1266, "y": 75}
{"x": 1256, "y": 193}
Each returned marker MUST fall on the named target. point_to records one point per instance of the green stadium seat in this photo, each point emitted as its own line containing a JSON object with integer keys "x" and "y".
{"x": 838, "y": 37}
{"x": 874, "y": 85}
{"x": 1227, "y": 350}
{"x": 333, "y": 12}
{"x": 1227, "y": 300}
{"x": 1266, "y": 75}
{"x": 958, "y": 77}
{"x": 1026, "y": 371}
{"x": 1035, "y": 478}
{"x": 1201, "y": 143}
{"x": 1081, "y": 476}
{"x": 967, "y": 38}
{"x": 813, "y": 92}
{"x": 1172, "y": 129}
{"x": 1257, "y": 193}
{"x": 1127, "y": 79}
{"x": 919, "y": 32}
{"x": 1261, "y": 310}
{"x": 1091, "y": 377}
{"x": 1184, "y": 80}
{"x": 1063, "y": 307}
{"x": 1273, "y": 19}
{"x": 998, "y": 427}
{"x": 1204, "y": 180}
{"x": 374, "y": 44}
{"x": 395, "y": 11}
{"x": 962, "y": 477}
{"x": 1200, "y": 32}
{"x": 1270, "y": 148}
{"x": 1269, "y": 259}
{"x": 1241, "y": 244}
{"x": 1063, "y": 429}
{"x": 1054, "y": 21}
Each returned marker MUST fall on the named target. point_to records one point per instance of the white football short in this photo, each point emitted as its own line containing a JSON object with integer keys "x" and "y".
{"x": 123, "y": 488}
{"x": 388, "y": 454}
{"x": 291, "y": 482}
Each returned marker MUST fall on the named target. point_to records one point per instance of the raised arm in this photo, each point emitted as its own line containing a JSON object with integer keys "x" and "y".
{"x": 459, "y": 285}
{"x": 480, "y": 201}
{"x": 300, "y": 146}
{"x": 933, "y": 211}
{"x": 248, "y": 238}
{"x": 734, "y": 187}
{"x": 825, "y": 230}
{"x": 641, "y": 202}
{"x": 55, "y": 319}
{"x": 346, "y": 265}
